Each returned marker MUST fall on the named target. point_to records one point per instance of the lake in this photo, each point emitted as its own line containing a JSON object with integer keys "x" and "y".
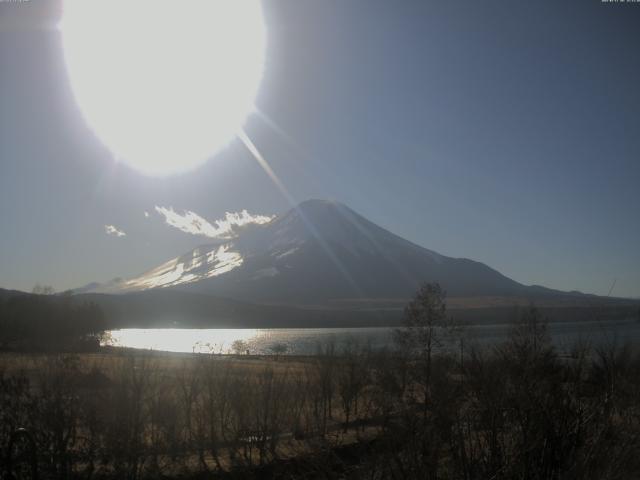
{"x": 305, "y": 341}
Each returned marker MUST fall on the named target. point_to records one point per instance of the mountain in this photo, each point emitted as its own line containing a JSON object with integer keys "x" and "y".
{"x": 321, "y": 253}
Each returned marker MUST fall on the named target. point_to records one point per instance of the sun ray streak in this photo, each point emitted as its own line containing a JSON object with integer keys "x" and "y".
{"x": 280, "y": 131}
{"x": 244, "y": 138}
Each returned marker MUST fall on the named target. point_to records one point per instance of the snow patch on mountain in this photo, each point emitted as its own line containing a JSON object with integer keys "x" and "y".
{"x": 202, "y": 263}
{"x": 285, "y": 253}
{"x": 265, "y": 272}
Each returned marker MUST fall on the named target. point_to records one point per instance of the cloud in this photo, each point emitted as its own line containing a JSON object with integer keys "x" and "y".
{"x": 114, "y": 231}
{"x": 146, "y": 214}
{"x": 191, "y": 222}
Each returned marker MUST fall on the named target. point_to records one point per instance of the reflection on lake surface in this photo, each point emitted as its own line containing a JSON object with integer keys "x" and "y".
{"x": 305, "y": 341}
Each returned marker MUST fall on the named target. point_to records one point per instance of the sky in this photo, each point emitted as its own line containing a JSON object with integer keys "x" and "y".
{"x": 507, "y": 132}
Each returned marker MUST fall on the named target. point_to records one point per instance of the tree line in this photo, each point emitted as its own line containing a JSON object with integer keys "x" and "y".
{"x": 44, "y": 321}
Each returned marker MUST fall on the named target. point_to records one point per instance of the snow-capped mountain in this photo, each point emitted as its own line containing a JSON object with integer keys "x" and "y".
{"x": 317, "y": 252}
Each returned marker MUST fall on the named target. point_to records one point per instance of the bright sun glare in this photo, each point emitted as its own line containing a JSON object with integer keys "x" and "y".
{"x": 164, "y": 83}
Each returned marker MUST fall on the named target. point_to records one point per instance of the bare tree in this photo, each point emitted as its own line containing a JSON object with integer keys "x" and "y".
{"x": 425, "y": 328}
{"x": 352, "y": 377}
{"x": 239, "y": 347}
{"x": 278, "y": 349}
{"x": 43, "y": 289}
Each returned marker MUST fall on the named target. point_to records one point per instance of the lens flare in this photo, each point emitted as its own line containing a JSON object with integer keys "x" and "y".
{"x": 164, "y": 84}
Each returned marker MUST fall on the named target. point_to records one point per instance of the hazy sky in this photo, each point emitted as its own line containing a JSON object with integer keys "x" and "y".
{"x": 503, "y": 131}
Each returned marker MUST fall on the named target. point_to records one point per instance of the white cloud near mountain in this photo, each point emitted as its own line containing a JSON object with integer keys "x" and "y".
{"x": 114, "y": 231}
{"x": 191, "y": 222}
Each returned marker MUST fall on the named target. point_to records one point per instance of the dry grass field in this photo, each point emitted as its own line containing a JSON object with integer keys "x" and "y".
{"x": 356, "y": 414}
{"x": 515, "y": 410}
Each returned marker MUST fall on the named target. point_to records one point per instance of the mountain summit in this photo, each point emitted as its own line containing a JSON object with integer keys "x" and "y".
{"x": 318, "y": 252}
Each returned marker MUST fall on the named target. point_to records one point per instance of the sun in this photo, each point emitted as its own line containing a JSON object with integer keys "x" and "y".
{"x": 164, "y": 84}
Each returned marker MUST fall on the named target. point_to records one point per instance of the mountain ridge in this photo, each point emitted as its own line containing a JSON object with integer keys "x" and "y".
{"x": 320, "y": 251}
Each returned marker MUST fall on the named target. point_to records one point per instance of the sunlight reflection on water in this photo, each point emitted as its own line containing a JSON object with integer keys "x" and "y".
{"x": 256, "y": 341}
{"x": 305, "y": 341}
{"x": 180, "y": 340}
